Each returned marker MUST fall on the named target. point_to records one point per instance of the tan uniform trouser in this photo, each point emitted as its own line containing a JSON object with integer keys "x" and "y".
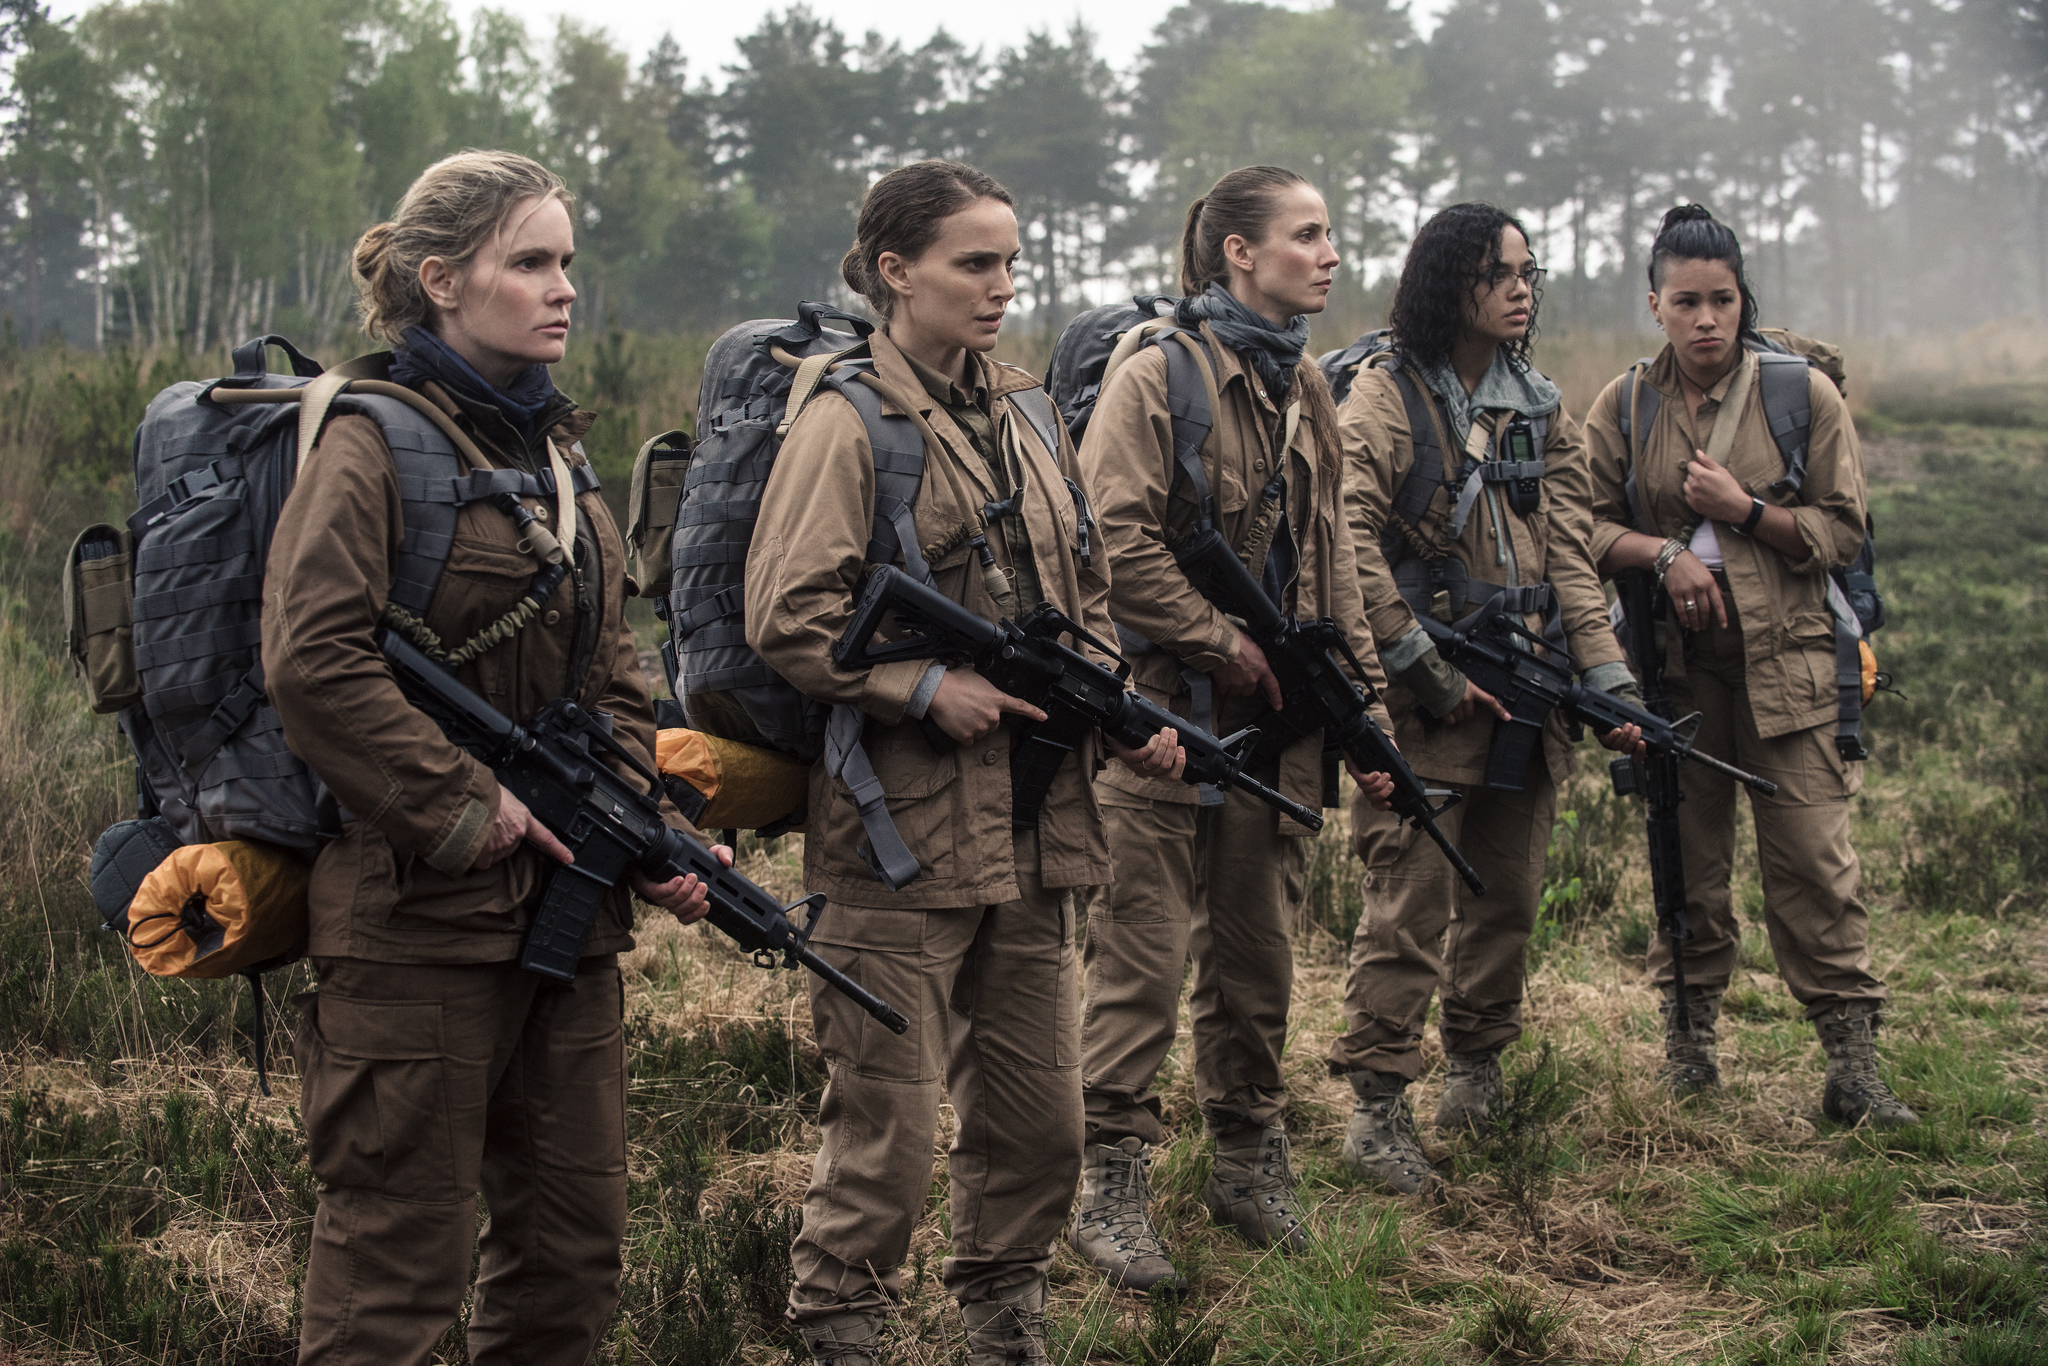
{"x": 993, "y": 997}
{"x": 1222, "y": 883}
{"x": 1820, "y": 933}
{"x": 425, "y": 1084}
{"x": 1414, "y": 900}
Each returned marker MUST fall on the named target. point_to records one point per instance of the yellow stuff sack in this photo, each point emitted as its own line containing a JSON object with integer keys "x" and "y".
{"x": 214, "y": 910}
{"x": 745, "y": 787}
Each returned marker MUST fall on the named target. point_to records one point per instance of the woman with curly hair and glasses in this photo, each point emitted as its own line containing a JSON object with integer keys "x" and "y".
{"x": 1440, "y": 433}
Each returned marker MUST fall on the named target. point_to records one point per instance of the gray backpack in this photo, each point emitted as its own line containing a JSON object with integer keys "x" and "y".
{"x": 214, "y": 463}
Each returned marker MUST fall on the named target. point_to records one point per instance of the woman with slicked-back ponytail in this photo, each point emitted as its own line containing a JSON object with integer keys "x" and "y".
{"x": 434, "y": 1067}
{"x": 1728, "y": 467}
{"x": 977, "y": 947}
{"x": 1214, "y": 875}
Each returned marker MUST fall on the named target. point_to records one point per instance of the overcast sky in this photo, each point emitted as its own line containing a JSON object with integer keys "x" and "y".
{"x": 706, "y": 29}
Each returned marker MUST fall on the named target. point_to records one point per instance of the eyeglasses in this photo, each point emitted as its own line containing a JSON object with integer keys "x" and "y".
{"x": 1531, "y": 276}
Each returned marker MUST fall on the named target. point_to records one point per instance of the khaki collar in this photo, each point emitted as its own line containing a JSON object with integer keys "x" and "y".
{"x": 1664, "y": 375}
{"x": 945, "y": 390}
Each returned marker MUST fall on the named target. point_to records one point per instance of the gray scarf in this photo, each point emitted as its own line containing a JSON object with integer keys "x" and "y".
{"x": 1272, "y": 352}
{"x": 1502, "y": 386}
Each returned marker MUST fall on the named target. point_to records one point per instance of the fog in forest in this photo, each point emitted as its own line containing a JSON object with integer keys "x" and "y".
{"x": 180, "y": 172}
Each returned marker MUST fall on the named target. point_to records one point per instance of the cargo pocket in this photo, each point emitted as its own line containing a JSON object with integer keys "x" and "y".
{"x": 375, "y": 1101}
{"x": 924, "y": 814}
{"x": 99, "y": 616}
{"x": 651, "y": 503}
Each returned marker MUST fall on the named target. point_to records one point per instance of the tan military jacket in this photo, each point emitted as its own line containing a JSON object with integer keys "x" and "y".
{"x": 1549, "y": 546}
{"x": 806, "y": 566}
{"x": 1788, "y": 635}
{"x": 1128, "y": 455}
{"x": 396, "y": 887}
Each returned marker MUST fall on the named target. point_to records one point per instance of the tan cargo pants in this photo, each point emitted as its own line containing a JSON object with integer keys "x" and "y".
{"x": 1220, "y": 883}
{"x": 993, "y": 997}
{"x": 424, "y": 1085}
{"x": 1819, "y": 931}
{"x": 1414, "y": 900}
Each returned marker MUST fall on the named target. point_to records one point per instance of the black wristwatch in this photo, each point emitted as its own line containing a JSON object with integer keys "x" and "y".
{"x": 1748, "y": 524}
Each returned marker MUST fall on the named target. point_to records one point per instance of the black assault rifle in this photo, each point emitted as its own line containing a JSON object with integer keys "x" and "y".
{"x": 1315, "y": 693}
{"x": 1027, "y": 660}
{"x": 1656, "y": 782}
{"x": 556, "y": 764}
{"x": 1531, "y": 684}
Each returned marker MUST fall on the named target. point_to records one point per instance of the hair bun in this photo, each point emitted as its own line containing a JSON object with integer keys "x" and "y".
{"x": 1687, "y": 213}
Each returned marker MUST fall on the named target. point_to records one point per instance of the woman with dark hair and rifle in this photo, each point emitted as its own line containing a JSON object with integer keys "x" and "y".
{"x": 1690, "y": 485}
{"x": 1219, "y": 877}
{"x": 978, "y": 950}
{"x": 1467, "y": 490}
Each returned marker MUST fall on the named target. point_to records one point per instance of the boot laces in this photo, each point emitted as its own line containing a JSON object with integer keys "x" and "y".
{"x": 1123, "y": 1213}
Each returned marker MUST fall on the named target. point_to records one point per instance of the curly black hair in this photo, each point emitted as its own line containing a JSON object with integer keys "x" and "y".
{"x": 1447, "y": 266}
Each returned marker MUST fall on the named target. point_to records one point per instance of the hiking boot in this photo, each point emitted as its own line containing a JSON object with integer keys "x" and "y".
{"x": 1252, "y": 1189}
{"x": 1471, "y": 1090}
{"x": 1690, "y": 1066}
{"x": 843, "y": 1339}
{"x": 1113, "y": 1225}
{"x": 1853, "y": 1092}
{"x": 1003, "y": 1332}
{"x": 1381, "y": 1140}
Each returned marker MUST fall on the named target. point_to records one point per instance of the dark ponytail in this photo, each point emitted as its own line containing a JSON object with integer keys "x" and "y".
{"x": 1238, "y": 205}
{"x": 901, "y": 213}
{"x": 1690, "y": 232}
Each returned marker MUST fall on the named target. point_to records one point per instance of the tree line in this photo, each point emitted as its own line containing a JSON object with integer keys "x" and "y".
{"x": 180, "y": 172}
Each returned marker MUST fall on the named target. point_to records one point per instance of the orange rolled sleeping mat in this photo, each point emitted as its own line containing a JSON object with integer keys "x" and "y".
{"x": 745, "y": 787}
{"x": 213, "y": 910}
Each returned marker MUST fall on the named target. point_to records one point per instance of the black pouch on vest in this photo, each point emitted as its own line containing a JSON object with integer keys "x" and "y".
{"x": 1521, "y": 468}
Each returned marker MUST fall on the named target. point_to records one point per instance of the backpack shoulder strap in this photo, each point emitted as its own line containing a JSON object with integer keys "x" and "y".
{"x": 1788, "y": 408}
{"x": 1187, "y": 400}
{"x": 1635, "y": 410}
{"x": 1035, "y": 406}
{"x": 898, "y": 448}
{"x": 1426, "y": 474}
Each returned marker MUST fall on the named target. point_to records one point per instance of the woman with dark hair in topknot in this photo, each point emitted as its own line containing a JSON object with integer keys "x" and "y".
{"x": 1449, "y": 517}
{"x": 978, "y": 950}
{"x": 1697, "y": 493}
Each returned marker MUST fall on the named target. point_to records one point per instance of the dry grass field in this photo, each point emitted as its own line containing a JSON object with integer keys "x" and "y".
{"x": 155, "y": 1207}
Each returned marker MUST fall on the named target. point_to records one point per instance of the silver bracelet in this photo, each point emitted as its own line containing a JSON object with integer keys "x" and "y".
{"x": 1673, "y": 548}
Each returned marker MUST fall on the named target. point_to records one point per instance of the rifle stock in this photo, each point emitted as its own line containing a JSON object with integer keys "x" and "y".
{"x": 556, "y": 765}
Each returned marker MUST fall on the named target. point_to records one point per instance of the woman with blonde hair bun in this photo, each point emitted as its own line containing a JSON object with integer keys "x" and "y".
{"x": 434, "y": 1068}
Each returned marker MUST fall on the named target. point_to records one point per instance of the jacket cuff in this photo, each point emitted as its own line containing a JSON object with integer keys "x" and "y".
{"x": 889, "y": 688}
{"x": 1208, "y": 657}
{"x": 1816, "y": 527}
{"x": 1396, "y": 658}
{"x": 1615, "y": 679}
{"x": 454, "y": 855}
{"x": 1436, "y": 683}
{"x": 927, "y": 688}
